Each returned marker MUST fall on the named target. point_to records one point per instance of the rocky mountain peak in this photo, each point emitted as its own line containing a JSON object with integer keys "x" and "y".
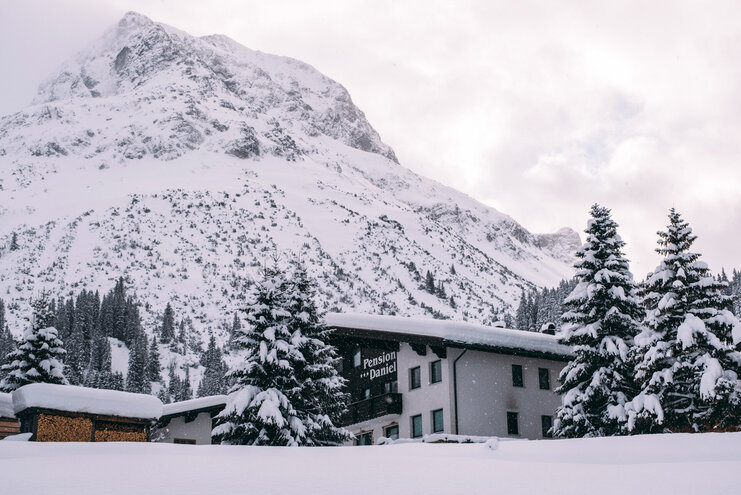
{"x": 207, "y": 93}
{"x": 182, "y": 163}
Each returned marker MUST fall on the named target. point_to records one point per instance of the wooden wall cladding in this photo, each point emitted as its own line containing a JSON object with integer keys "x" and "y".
{"x": 9, "y": 426}
{"x": 54, "y": 428}
{"x": 116, "y": 432}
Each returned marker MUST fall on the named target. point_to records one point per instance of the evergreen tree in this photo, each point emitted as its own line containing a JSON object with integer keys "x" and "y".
{"x": 321, "y": 399}
{"x": 687, "y": 367}
{"x": 212, "y": 382}
{"x": 14, "y": 242}
{"x": 136, "y": 378}
{"x": 154, "y": 368}
{"x": 40, "y": 352}
{"x": 186, "y": 391}
{"x": 174, "y": 384}
{"x": 259, "y": 410}
{"x": 7, "y": 343}
{"x": 167, "y": 332}
{"x": 430, "y": 282}
{"x": 602, "y": 319}
{"x": 236, "y": 326}
{"x": 521, "y": 316}
{"x": 77, "y": 356}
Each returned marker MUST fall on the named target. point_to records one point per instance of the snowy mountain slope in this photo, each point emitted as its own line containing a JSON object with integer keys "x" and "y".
{"x": 184, "y": 164}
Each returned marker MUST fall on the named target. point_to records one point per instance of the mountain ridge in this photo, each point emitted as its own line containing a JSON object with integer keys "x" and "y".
{"x": 182, "y": 163}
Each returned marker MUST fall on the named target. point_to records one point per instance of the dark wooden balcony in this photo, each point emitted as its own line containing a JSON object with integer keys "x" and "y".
{"x": 375, "y": 407}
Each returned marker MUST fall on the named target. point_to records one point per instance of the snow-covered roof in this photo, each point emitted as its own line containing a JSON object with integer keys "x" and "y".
{"x": 6, "y": 406}
{"x": 193, "y": 405}
{"x": 452, "y": 332}
{"x": 86, "y": 400}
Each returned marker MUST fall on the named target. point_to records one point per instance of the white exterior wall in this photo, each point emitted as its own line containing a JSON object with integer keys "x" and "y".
{"x": 427, "y": 398}
{"x": 198, "y": 429}
{"x": 486, "y": 393}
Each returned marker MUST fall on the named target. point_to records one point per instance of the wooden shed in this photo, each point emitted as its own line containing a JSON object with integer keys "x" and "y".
{"x": 8, "y": 422}
{"x": 65, "y": 413}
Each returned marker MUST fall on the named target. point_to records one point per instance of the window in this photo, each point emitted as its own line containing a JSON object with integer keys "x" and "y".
{"x": 437, "y": 421}
{"x": 364, "y": 438}
{"x": 415, "y": 378}
{"x": 513, "y": 428}
{"x": 391, "y": 387}
{"x": 356, "y": 358}
{"x": 366, "y": 393}
{"x": 546, "y": 422}
{"x": 417, "y": 425}
{"x": 186, "y": 441}
{"x": 436, "y": 371}
{"x": 391, "y": 432}
{"x": 517, "y": 376}
{"x": 544, "y": 378}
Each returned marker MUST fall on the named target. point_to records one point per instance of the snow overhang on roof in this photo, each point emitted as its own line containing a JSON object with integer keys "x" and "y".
{"x": 70, "y": 398}
{"x": 451, "y": 334}
{"x": 6, "y": 406}
{"x": 192, "y": 405}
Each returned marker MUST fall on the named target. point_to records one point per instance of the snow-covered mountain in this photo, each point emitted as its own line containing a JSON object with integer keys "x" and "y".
{"x": 184, "y": 164}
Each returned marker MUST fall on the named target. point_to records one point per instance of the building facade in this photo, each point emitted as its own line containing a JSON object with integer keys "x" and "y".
{"x": 189, "y": 422}
{"x": 412, "y": 377}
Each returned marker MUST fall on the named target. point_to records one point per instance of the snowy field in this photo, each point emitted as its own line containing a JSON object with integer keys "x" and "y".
{"x": 658, "y": 464}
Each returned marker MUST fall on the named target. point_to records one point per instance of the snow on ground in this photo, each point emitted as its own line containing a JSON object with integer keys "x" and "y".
{"x": 655, "y": 464}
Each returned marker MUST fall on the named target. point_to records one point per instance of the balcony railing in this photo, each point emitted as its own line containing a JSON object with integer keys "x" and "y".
{"x": 375, "y": 407}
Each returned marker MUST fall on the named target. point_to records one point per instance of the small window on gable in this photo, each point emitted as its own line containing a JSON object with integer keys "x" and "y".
{"x": 356, "y": 358}
{"x": 544, "y": 378}
{"x": 546, "y": 423}
{"x": 513, "y": 426}
{"x": 436, "y": 371}
{"x": 517, "y": 376}
{"x": 416, "y": 426}
{"x": 364, "y": 438}
{"x": 415, "y": 378}
{"x": 391, "y": 432}
{"x": 438, "y": 424}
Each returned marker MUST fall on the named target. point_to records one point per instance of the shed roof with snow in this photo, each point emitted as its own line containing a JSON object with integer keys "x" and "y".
{"x": 6, "y": 406}
{"x": 74, "y": 399}
{"x": 449, "y": 333}
{"x": 194, "y": 406}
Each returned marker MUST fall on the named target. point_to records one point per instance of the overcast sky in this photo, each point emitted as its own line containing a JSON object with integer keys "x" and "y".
{"x": 538, "y": 109}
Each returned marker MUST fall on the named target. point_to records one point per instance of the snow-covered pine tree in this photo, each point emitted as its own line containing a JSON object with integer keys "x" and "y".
{"x": 321, "y": 399}
{"x": 212, "y": 382}
{"x": 167, "y": 331}
{"x": 14, "y": 242}
{"x": 136, "y": 377}
{"x": 186, "y": 390}
{"x": 7, "y": 343}
{"x": 602, "y": 319}
{"x": 235, "y": 328}
{"x": 687, "y": 367}
{"x": 430, "y": 282}
{"x": 154, "y": 367}
{"x": 173, "y": 384}
{"x": 259, "y": 411}
{"x": 39, "y": 357}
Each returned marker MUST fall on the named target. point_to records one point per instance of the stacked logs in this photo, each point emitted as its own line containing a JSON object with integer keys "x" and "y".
{"x": 57, "y": 428}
